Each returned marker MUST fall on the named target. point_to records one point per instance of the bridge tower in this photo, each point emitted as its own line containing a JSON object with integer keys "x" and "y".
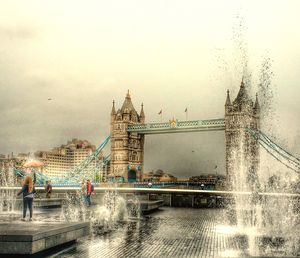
{"x": 127, "y": 148}
{"x": 242, "y": 150}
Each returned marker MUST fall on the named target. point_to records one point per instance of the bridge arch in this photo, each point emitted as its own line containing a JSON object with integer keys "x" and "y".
{"x": 132, "y": 176}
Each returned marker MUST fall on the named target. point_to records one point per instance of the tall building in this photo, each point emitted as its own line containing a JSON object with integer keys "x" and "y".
{"x": 61, "y": 159}
{"x": 242, "y": 150}
{"x": 127, "y": 149}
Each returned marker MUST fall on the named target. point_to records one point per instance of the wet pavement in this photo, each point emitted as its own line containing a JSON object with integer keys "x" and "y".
{"x": 170, "y": 232}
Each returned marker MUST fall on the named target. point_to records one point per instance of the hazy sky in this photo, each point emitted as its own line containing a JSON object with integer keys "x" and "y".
{"x": 170, "y": 55}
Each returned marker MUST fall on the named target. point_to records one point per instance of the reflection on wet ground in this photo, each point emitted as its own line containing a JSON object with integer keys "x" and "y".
{"x": 170, "y": 232}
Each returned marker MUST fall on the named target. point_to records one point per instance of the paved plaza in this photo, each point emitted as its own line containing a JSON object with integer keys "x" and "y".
{"x": 171, "y": 232}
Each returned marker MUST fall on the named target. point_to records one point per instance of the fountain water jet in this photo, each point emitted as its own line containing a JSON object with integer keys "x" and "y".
{"x": 8, "y": 197}
{"x": 270, "y": 223}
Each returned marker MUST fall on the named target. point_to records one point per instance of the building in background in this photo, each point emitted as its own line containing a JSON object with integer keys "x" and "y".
{"x": 158, "y": 176}
{"x": 61, "y": 159}
{"x": 210, "y": 181}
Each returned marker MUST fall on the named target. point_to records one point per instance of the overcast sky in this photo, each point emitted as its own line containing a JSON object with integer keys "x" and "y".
{"x": 170, "y": 55}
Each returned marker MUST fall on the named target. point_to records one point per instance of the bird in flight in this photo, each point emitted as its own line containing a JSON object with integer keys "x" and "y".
{"x": 49, "y": 99}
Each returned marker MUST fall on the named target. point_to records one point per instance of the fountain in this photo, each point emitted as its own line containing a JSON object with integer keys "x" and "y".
{"x": 134, "y": 207}
{"x": 265, "y": 214}
{"x": 271, "y": 224}
{"x": 73, "y": 208}
{"x": 8, "y": 197}
{"x": 105, "y": 217}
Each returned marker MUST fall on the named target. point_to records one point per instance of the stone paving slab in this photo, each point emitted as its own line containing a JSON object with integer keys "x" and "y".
{"x": 31, "y": 237}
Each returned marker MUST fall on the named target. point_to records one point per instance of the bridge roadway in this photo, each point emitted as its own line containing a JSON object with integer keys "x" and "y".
{"x": 158, "y": 191}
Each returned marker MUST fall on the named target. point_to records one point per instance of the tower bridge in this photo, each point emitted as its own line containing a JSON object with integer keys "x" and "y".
{"x": 128, "y": 130}
{"x": 241, "y": 126}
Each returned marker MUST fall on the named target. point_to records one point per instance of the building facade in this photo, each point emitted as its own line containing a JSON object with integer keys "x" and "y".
{"x": 61, "y": 159}
{"x": 127, "y": 149}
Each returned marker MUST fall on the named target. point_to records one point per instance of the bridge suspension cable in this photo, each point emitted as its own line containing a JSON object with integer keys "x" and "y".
{"x": 90, "y": 173}
{"x": 276, "y": 150}
{"x": 85, "y": 163}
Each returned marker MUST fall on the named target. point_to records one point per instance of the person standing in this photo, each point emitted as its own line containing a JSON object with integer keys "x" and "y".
{"x": 48, "y": 189}
{"x": 89, "y": 191}
{"x": 28, "y": 191}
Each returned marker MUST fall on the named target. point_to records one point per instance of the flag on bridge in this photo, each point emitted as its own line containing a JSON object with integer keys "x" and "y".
{"x": 185, "y": 110}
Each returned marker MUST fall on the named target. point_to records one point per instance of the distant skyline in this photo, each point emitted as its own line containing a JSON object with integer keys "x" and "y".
{"x": 62, "y": 63}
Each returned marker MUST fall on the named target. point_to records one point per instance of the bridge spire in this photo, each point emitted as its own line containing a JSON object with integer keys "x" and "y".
{"x": 128, "y": 95}
{"x": 113, "y": 110}
{"x": 142, "y": 114}
{"x": 228, "y": 102}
